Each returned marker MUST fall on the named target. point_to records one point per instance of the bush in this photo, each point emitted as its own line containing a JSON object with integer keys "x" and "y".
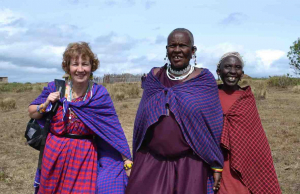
{"x": 259, "y": 90}
{"x": 8, "y": 104}
{"x": 15, "y": 87}
{"x": 283, "y": 81}
{"x": 133, "y": 91}
{"x": 119, "y": 96}
{"x": 296, "y": 89}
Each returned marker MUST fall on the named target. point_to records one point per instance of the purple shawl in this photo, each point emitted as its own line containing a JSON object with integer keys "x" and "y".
{"x": 99, "y": 115}
{"x": 197, "y": 109}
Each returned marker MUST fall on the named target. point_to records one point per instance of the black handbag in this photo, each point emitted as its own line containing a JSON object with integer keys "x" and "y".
{"x": 35, "y": 134}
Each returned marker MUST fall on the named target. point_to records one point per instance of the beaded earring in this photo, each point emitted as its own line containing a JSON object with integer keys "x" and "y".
{"x": 166, "y": 59}
{"x": 91, "y": 76}
{"x": 195, "y": 59}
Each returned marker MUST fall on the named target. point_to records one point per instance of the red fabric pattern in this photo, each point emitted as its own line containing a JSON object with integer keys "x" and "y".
{"x": 250, "y": 155}
{"x": 69, "y": 165}
{"x": 228, "y": 99}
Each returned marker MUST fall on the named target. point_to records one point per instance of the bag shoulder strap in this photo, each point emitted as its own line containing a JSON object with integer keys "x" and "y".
{"x": 60, "y": 86}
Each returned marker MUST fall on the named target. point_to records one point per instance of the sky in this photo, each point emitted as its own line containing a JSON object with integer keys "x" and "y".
{"x": 129, "y": 36}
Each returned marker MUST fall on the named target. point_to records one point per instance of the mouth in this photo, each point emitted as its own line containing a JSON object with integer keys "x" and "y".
{"x": 80, "y": 76}
{"x": 177, "y": 58}
{"x": 231, "y": 79}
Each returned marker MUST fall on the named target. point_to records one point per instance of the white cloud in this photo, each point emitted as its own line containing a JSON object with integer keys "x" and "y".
{"x": 7, "y": 16}
{"x": 267, "y": 57}
{"x": 234, "y": 19}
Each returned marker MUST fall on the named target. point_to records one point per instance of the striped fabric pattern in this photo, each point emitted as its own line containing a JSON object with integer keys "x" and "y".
{"x": 250, "y": 154}
{"x": 197, "y": 109}
{"x": 98, "y": 114}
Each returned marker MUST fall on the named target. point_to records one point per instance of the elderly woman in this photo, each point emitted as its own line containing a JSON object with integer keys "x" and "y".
{"x": 248, "y": 165}
{"x": 178, "y": 126}
{"x": 86, "y": 148}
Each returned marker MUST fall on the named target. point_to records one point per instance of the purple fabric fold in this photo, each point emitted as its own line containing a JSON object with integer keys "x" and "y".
{"x": 197, "y": 109}
{"x": 99, "y": 115}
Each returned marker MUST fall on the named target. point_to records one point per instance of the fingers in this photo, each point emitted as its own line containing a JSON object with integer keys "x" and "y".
{"x": 128, "y": 172}
{"x": 53, "y": 97}
{"x": 217, "y": 178}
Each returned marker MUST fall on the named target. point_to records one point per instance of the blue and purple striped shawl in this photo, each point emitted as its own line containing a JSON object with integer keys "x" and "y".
{"x": 99, "y": 115}
{"x": 197, "y": 109}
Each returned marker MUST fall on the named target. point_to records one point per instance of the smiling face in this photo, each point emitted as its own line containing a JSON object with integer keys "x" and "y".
{"x": 179, "y": 49}
{"x": 80, "y": 69}
{"x": 230, "y": 71}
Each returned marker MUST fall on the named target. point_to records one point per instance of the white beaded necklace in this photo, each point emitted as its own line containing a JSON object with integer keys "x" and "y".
{"x": 180, "y": 77}
{"x": 72, "y": 96}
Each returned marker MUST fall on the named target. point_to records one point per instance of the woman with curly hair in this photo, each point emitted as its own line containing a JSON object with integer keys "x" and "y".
{"x": 86, "y": 149}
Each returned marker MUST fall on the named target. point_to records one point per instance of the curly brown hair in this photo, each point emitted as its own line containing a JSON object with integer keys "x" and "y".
{"x": 77, "y": 49}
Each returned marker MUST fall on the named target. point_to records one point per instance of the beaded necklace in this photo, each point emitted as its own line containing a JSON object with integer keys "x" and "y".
{"x": 70, "y": 93}
{"x": 180, "y": 77}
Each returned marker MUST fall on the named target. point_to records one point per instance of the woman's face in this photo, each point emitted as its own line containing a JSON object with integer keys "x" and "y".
{"x": 231, "y": 71}
{"x": 80, "y": 69}
{"x": 179, "y": 49}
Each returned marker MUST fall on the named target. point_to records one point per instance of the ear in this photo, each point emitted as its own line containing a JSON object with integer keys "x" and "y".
{"x": 218, "y": 71}
{"x": 242, "y": 74}
{"x": 194, "y": 49}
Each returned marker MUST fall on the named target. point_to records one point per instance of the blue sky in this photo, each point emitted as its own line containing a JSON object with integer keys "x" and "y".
{"x": 129, "y": 36}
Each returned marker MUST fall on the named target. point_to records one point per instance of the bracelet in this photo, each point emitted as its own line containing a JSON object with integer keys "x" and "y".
{"x": 40, "y": 109}
{"x": 219, "y": 170}
{"x": 128, "y": 166}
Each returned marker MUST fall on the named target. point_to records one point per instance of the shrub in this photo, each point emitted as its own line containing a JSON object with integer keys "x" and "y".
{"x": 8, "y": 104}
{"x": 259, "y": 90}
{"x": 119, "y": 96}
{"x": 283, "y": 81}
{"x": 124, "y": 105}
{"x": 133, "y": 91}
{"x": 296, "y": 89}
{"x": 15, "y": 87}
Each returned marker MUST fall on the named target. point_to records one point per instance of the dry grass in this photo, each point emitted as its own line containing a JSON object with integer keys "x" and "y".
{"x": 296, "y": 89}
{"x": 7, "y": 104}
{"x": 279, "y": 113}
{"x": 122, "y": 91}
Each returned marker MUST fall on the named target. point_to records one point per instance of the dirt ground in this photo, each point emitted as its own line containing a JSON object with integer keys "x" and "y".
{"x": 279, "y": 113}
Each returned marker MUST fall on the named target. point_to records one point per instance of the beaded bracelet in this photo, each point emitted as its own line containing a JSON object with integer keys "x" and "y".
{"x": 128, "y": 166}
{"x": 219, "y": 170}
{"x": 40, "y": 109}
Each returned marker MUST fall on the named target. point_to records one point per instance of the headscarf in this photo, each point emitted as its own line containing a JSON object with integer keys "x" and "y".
{"x": 231, "y": 54}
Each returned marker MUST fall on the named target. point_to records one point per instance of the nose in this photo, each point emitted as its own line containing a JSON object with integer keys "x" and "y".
{"x": 232, "y": 70}
{"x": 177, "y": 48}
{"x": 80, "y": 68}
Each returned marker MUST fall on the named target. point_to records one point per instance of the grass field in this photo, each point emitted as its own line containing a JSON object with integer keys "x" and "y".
{"x": 279, "y": 110}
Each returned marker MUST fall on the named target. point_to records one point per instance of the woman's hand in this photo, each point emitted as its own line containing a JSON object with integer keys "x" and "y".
{"x": 217, "y": 178}
{"x": 32, "y": 109}
{"x": 53, "y": 97}
{"x": 129, "y": 170}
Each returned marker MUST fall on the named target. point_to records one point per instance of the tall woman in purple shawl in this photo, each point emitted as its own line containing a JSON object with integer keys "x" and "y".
{"x": 178, "y": 126}
{"x": 86, "y": 148}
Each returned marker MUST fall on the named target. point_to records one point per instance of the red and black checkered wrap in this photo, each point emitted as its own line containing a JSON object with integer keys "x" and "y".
{"x": 249, "y": 151}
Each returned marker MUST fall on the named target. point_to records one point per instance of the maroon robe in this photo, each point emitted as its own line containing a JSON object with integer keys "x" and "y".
{"x": 165, "y": 163}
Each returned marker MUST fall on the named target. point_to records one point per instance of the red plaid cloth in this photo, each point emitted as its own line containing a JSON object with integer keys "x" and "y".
{"x": 69, "y": 165}
{"x": 249, "y": 152}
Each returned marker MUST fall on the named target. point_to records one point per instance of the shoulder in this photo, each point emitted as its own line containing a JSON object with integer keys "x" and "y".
{"x": 197, "y": 72}
{"x": 51, "y": 87}
{"x": 157, "y": 70}
{"x": 99, "y": 89}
